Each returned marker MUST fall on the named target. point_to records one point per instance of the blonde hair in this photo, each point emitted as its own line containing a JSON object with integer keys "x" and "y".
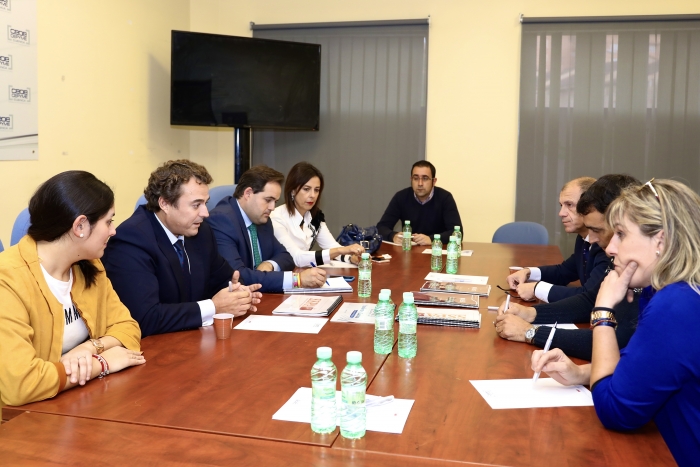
{"x": 675, "y": 212}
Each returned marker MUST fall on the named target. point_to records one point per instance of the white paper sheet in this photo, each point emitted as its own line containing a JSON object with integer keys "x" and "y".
{"x": 355, "y": 313}
{"x": 389, "y": 418}
{"x": 461, "y": 279}
{"x": 338, "y": 264}
{"x": 561, "y": 325}
{"x": 282, "y": 324}
{"x": 523, "y": 394}
{"x": 429, "y": 251}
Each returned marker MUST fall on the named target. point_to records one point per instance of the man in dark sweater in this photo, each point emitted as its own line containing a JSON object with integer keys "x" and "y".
{"x": 430, "y": 209}
{"x": 523, "y": 324}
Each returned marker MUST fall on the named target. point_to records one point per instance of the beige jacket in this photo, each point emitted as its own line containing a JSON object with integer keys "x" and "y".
{"x": 32, "y": 323}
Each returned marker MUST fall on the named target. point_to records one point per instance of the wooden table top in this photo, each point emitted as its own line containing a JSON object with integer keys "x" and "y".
{"x": 192, "y": 381}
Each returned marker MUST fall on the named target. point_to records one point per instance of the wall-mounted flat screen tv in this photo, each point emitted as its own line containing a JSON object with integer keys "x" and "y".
{"x": 242, "y": 82}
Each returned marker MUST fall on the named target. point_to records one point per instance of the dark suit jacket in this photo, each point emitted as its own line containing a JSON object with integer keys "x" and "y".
{"x": 145, "y": 271}
{"x": 572, "y": 270}
{"x": 234, "y": 245}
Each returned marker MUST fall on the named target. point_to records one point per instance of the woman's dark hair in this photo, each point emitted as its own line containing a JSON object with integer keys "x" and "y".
{"x": 297, "y": 178}
{"x": 60, "y": 200}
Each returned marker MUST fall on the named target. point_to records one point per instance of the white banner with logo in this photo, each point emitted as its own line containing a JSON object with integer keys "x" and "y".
{"x": 19, "y": 112}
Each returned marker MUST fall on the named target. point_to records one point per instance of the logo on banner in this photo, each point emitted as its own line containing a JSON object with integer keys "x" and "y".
{"x": 18, "y": 35}
{"x": 5, "y": 61}
{"x": 20, "y": 94}
{"x": 5, "y": 5}
{"x": 6, "y": 122}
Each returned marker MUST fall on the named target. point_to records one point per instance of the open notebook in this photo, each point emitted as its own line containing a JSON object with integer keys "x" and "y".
{"x": 332, "y": 285}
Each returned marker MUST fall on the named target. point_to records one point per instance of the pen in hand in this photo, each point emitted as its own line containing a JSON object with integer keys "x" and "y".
{"x": 546, "y": 348}
{"x": 230, "y": 286}
{"x": 313, "y": 265}
{"x": 505, "y": 308}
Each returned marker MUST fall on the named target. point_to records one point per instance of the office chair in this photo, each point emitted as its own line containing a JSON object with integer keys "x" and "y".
{"x": 2, "y": 248}
{"x": 528, "y": 233}
{"x": 19, "y": 228}
{"x": 140, "y": 201}
{"x": 217, "y": 193}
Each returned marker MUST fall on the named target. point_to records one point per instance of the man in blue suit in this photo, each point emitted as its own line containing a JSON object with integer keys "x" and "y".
{"x": 163, "y": 261}
{"x": 587, "y": 264}
{"x": 247, "y": 240}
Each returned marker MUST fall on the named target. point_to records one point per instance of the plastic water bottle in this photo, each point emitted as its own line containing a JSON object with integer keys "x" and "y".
{"x": 323, "y": 383}
{"x": 391, "y": 302}
{"x": 408, "y": 322}
{"x": 364, "y": 282}
{"x": 453, "y": 254}
{"x": 436, "y": 259}
{"x": 383, "y": 324}
{"x": 407, "y": 232}
{"x": 353, "y": 384}
{"x": 458, "y": 235}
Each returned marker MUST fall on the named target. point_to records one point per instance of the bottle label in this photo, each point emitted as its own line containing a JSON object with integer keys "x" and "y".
{"x": 323, "y": 389}
{"x": 354, "y": 395}
{"x": 365, "y": 275}
{"x": 407, "y": 327}
{"x": 382, "y": 323}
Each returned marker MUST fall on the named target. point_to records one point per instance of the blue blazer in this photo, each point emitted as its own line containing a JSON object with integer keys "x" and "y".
{"x": 234, "y": 245}
{"x": 145, "y": 271}
{"x": 573, "y": 270}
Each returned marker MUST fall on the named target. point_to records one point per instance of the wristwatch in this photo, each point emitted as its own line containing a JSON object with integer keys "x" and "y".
{"x": 99, "y": 346}
{"x": 530, "y": 334}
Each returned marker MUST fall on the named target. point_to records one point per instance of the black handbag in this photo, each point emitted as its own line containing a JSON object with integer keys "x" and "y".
{"x": 354, "y": 234}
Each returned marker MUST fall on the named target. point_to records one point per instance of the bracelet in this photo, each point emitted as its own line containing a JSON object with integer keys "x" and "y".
{"x": 103, "y": 362}
{"x": 604, "y": 308}
{"x": 296, "y": 280}
{"x": 605, "y": 322}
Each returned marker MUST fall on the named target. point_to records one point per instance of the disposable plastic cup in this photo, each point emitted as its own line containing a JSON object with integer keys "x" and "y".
{"x": 223, "y": 323}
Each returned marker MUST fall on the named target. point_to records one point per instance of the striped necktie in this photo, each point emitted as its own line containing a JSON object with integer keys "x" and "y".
{"x": 254, "y": 242}
{"x": 185, "y": 265}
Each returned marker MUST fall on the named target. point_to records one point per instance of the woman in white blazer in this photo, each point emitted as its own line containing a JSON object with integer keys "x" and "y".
{"x": 299, "y": 223}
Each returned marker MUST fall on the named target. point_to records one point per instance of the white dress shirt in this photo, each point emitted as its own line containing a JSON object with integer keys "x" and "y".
{"x": 298, "y": 240}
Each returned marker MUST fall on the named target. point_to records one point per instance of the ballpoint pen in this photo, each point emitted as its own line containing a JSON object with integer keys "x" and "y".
{"x": 507, "y": 303}
{"x": 230, "y": 286}
{"x": 313, "y": 265}
{"x": 546, "y": 348}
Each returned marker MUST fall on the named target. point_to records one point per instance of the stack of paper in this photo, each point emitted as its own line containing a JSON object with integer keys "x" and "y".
{"x": 332, "y": 285}
{"x": 308, "y": 305}
{"x": 452, "y": 287}
{"x": 436, "y": 276}
{"x": 451, "y": 317}
{"x": 446, "y": 299}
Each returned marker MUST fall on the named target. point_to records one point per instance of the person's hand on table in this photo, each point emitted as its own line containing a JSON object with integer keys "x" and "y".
{"x": 421, "y": 239}
{"x": 615, "y": 287}
{"x": 354, "y": 249}
{"x": 518, "y": 277}
{"x": 560, "y": 367}
{"x": 119, "y": 358}
{"x": 526, "y": 290}
{"x": 238, "y": 302}
{"x": 265, "y": 266}
{"x": 527, "y": 313}
{"x": 252, "y": 289}
{"x": 78, "y": 363}
{"x": 511, "y": 327}
{"x": 312, "y": 277}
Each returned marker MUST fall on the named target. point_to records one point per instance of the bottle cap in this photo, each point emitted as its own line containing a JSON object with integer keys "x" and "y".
{"x": 354, "y": 356}
{"x": 453, "y": 238}
{"x": 408, "y": 297}
{"x": 457, "y": 228}
{"x": 436, "y": 236}
{"x": 386, "y": 290}
{"x": 365, "y": 255}
{"x": 408, "y": 222}
{"x": 324, "y": 352}
{"x": 384, "y": 296}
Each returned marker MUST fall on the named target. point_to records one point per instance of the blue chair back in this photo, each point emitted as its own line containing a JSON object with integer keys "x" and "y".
{"x": 19, "y": 229}
{"x": 217, "y": 193}
{"x": 528, "y": 233}
{"x": 2, "y": 248}
{"x": 140, "y": 201}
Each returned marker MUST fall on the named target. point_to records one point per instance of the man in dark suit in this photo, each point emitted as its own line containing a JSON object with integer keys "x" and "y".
{"x": 247, "y": 240}
{"x": 163, "y": 261}
{"x": 587, "y": 264}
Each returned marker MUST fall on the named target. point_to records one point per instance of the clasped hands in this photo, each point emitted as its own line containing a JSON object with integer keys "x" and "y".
{"x": 518, "y": 281}
{"x": 238, "y": 301}
{"x": 78, "y": 362}
{"x": 511, "y": 324}
{"x": 419, "y": 239}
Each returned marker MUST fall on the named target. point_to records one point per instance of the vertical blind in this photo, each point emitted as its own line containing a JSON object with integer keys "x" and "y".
{"x": 599, "y": 98}
{"x": 372, "y": 116}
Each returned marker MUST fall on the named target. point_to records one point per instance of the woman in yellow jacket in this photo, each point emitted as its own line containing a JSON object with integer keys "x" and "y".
{"x": 61, "y": 323}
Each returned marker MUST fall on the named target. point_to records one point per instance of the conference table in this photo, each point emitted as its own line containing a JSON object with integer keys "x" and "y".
{"x": 200, "y": 400}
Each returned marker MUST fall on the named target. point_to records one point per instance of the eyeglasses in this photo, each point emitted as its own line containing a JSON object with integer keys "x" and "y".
{"x": 424, "y": 178}
{"x": 653, "y": 190}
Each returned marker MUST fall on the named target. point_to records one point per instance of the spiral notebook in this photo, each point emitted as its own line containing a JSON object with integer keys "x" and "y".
{"x": 451, "y": 317}
{"x": 446, "y": 299}
{"x": 308, "y": 305}
{"x": 452, "y": 287}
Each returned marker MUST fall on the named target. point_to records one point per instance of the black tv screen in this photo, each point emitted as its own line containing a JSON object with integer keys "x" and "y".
{"x": 242, "y": 82}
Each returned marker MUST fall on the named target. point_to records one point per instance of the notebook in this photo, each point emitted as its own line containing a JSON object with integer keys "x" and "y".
{"x": 446, "y": 299}
{"x": 308, "y": 305}
{"x": 452, "y": 317}
{"x": 452, "y": 287}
